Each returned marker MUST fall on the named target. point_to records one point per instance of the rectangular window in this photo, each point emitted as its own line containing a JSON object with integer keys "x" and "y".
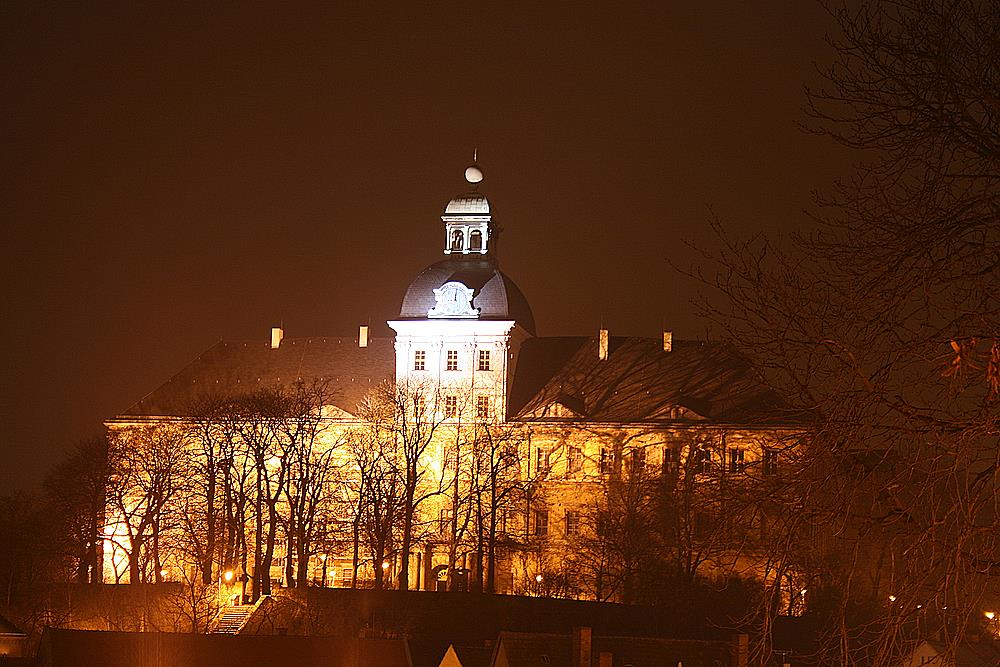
{"x": 702, "y": 461}
{"x": 419, "y": 407}
{"x": 541, "y": 523}
{"x": 444, "y": 521}
{"x": 420, "y": 360}
{"x": 669, "y": 461}
{"x": 572, "y": 522}
{"x": 770, "y": 462}
{"x": 735, "y": 460}
{"x": 451, "y": 362}
{"x": 637, "y": 462}
{"x": 450, "y": 406}
{"x": 346, "y": 574}
{"x": 541, "y": 460}
{"x": 607, "y": 461}
{"x": 484, "y": 360}
{"x": 482, "y": 407}
{"x": 574, "y": 462}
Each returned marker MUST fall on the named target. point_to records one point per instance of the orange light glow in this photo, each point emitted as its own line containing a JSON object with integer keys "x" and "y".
{"x": 228, "y": 575}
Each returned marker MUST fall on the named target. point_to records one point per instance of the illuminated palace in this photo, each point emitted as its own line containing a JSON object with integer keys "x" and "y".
{"x": 534, "y": 446}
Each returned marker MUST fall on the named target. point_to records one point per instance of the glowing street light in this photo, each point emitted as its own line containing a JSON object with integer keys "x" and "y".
{"x": 892, "y": 598}
{"x": 385, "y": 565}
{"x": 538, "y": 578}
{"x": 163, "y": 573}
{"x": 989, "y": 615}
{"x": 227, "y": 575}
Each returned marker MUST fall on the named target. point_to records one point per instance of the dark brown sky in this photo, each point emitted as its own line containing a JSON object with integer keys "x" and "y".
{"x": 172, "y": 176}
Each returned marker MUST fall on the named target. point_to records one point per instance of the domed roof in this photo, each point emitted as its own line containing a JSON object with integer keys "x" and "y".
{"x": 471, "y": 203}
{"x": 494, "y": 294}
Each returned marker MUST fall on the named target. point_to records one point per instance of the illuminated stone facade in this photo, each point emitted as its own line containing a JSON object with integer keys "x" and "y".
{"x": 585, "y": 417}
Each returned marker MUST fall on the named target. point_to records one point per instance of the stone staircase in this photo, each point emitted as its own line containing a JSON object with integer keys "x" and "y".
{"x": 231, "y": 619}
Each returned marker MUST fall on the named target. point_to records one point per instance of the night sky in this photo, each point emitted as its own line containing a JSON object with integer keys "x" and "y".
{"x": 173, "y": 176}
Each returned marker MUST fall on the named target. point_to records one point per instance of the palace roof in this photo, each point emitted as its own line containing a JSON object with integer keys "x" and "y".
{"x": 556, "y": 379}
{"x": 563, "y": 378}
{"x": 229, "y": 368}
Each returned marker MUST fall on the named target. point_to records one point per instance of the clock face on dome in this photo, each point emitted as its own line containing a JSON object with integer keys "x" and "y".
{"x": 453, "y": 299}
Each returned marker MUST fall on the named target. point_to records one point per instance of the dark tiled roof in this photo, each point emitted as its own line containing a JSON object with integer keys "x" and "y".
{"x": 229, "y": 368}
{"x": 638, "y": 382}
{"x": 80, "y": 648}
{"x": 8, "y": 628}
{"x": 971, "y": 654}
{"x": 495, "y": 294}
{"x": 651, "y": 652}
{"x": 535, "y": 649}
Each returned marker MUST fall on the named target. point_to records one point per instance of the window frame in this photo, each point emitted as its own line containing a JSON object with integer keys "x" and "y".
{"x": 451, "y": 360}
{"x": 420, "y": 360}
{"x": 450, "y": 406}
{"x": 483, "y": 361}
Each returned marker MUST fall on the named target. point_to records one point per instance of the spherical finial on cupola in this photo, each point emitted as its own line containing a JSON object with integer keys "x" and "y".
{"x": 473, "y": 174}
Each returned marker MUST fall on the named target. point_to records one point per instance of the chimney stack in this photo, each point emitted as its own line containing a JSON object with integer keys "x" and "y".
{"x": 740, "y": 650}
{"x": 668, "y": 341}
{"x": 277, "y": 333}
{"x": 581, "y": 647}
{"x": 363, "y": 336}
{"x": 602, "y": 345}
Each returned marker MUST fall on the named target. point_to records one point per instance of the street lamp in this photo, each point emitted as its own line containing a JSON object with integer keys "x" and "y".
{"x": 227, "y": 575}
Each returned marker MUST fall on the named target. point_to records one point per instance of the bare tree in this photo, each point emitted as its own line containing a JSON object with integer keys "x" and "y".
{"x": 77, "y": 489}
{"x": 148, "y": 467}
{"x": 884, "y": 327}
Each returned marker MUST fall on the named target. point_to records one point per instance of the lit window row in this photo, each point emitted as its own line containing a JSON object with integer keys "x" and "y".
{"x": 702, "y": 461}
{"x": 451, "y": 360}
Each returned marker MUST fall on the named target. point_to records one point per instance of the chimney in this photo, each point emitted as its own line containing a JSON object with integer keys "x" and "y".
{"x": 740, "y": 650}
{"x": 581, "y": 647}
{"x": 604, "y": 659}
{"x": 602, "y": 345}
{"x": 277, "y": 333}
{"x": 668, "y": 341}
{"x": 363, "y": 336}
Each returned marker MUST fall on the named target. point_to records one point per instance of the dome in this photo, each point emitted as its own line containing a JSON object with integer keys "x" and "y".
{"x": 494, "y": 294}
{"x": 471, "y": 203}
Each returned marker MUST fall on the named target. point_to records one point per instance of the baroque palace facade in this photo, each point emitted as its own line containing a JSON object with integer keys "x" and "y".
{"x": 571, "y": 427}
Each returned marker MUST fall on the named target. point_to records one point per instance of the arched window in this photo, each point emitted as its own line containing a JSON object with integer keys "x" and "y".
{"x": 476, "y": 240}
{"x": 457, "y": 241}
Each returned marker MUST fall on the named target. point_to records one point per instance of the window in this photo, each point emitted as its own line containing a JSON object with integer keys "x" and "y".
{"x": 476, "y": 240}
{"x": 607, "y": 461}
{"x": 770, "y": 462}
{"x": 444, "y": 521}
{"x": 541, "y": 523}
{"x": 484, "y": 360}
{"x": 637, "y": 461}
{"x": 420, "y": 360}
{"x": 420, "y": 407}
{"x": 450, "y": 406}
{"x": 669, "y": 461}
{"x": 457, "y": 240}
{"x": 572, "y": 522}
{"x": 736, "y": 460}
{"x": 702, "y": 461}
{"x": 574, "y": 462}
{"x": 346, "y": 574}
{"x": 452, "y": 361}
{"x": 541, "y": 460}
{"x": 482, "y": 407}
